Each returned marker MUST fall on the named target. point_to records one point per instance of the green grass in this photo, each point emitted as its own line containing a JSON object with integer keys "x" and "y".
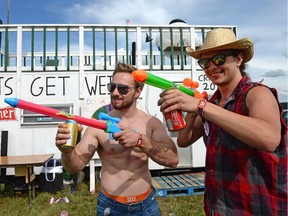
{"x": 82, "y": 202}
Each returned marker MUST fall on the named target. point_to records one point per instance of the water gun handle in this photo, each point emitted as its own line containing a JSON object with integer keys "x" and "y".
{"x": 111, "y": 124}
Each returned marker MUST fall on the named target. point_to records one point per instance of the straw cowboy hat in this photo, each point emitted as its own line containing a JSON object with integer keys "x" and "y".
{"x": 223, "y": 39}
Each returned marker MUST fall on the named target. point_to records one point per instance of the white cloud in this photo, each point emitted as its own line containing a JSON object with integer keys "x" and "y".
{"x": 265, "y": 24}
{"x": 275, "y": 73}
{"x": 114, "y": 12}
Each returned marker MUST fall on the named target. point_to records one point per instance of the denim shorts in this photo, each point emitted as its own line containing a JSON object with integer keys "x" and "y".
{"x": 107, "y": 206}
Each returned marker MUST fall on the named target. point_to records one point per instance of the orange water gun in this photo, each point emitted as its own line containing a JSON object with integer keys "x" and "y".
{"x": 159, "y": 82}
{"x": 193, "y": 85}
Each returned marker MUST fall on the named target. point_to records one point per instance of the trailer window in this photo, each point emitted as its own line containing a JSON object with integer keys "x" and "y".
{"x": 31, "y": 118}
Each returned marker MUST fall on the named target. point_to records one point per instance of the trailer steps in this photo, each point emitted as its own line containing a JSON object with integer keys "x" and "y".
{"x": 179, "y": 185}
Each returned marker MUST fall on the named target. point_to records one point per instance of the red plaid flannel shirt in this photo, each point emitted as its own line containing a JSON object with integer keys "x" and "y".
{"x": 241, "y": 180}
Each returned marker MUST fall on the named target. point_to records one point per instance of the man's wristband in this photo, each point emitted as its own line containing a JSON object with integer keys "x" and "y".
{"x": 139, "y": 142}
{"x": 200, "y": 107}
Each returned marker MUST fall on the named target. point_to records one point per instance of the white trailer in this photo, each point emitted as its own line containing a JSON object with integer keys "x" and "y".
{"x": 67, "y": 67}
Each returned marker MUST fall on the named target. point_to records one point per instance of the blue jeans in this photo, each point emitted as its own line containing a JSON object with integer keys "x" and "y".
{"x": 107, "y": 206}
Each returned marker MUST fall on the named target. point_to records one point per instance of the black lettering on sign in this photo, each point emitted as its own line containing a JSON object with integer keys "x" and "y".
{"x": 203, "y": 78}
{"x": 4, "y": 86}
{"x": 40, "y": 88}
{"x": 92, "y": 89}
{"x": 63, "y": 83}
{"x": 37, "y": 86}
{"x": 209, "y": 86}
{"x": 102, "y": 85}
{"x": 49, "y": 86}
{"x": 98, "y": 84}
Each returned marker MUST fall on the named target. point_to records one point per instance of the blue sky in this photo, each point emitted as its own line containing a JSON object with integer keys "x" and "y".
{"x": 265, "y": 22}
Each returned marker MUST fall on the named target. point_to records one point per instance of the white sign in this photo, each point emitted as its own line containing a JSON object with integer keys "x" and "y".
{"x": 204, "y": 83}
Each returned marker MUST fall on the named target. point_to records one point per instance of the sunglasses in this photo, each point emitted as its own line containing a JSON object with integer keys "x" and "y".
{"x": 217, "y": 60}
{"x": 122, "y": 89}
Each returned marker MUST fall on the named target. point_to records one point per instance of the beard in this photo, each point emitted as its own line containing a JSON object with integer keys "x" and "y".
{"x": 119, "y": 103}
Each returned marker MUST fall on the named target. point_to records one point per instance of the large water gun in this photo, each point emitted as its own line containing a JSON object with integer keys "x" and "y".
{"x": 159, "y": 82}
{"x": 108, "y": 127}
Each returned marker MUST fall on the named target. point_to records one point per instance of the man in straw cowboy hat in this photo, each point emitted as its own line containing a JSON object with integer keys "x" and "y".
{"x": 245, "y": 135}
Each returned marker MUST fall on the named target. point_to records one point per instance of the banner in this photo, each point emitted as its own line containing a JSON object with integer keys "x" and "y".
{"x": 7, "y": 114}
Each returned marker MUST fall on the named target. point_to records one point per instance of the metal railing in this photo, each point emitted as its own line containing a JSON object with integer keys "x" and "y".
{"x": 97, "y": 47}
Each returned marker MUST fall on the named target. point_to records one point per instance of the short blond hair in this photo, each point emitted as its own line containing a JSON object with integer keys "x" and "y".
{"x": 126, "y": 68}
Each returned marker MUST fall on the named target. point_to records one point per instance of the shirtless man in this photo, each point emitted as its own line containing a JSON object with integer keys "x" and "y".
{"x": 125, "y": 178}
